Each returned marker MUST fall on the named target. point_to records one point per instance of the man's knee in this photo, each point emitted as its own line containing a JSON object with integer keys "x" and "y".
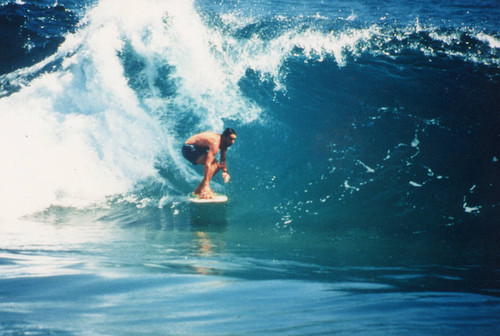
{"x": 215, "y": 166}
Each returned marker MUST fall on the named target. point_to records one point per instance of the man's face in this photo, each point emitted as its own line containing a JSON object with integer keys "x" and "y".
{"x": 230, "y": 139}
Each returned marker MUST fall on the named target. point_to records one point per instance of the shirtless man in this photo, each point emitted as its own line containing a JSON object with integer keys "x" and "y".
{"x": 201, "y": 149}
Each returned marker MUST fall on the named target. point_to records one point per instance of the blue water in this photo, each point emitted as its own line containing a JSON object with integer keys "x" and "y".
{"x": 364, "y": 195}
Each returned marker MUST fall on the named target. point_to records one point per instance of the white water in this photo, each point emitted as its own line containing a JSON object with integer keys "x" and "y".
{"x": 79, "y": 134}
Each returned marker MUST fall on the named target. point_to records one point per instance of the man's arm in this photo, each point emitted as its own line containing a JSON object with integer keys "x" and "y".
{"x": 223, "y": 161}
{"x": 208, "y": 166}
{"x": 225, "y": 175}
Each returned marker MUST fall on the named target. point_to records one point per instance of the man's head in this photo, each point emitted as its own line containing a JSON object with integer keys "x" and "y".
{"x": 228, "y": 136}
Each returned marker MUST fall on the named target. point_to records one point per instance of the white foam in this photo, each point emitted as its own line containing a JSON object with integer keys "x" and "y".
{"x": 368, "y": 169}
{"x": 77, "y": 135}
{"x": 415, "y": 184}
{"x": 467, "y": 209}
{"x": 492, "y": 41}
{"x": 347, "y": 186}
{"x": 415, "y": 142}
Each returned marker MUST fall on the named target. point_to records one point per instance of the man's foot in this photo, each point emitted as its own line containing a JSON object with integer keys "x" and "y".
{"x": 205, "y": 193}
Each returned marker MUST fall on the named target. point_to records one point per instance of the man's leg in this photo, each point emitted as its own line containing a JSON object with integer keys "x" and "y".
{"x": 203, "y": 188}
{"x": 201, "y": 161}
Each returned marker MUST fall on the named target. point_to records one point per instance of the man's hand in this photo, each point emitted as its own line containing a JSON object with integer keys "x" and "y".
{"x": 226, "y": 177}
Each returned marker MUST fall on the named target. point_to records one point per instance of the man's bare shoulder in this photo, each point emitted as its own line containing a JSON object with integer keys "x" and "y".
{"x": 208, "y": 139}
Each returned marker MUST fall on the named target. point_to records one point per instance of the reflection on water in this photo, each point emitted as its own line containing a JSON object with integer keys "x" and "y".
{"x": 208, "y": 217}
{"x": 112, "y": 273}
{"x": 212, "y": 241}
{"x": 208, "y": 222}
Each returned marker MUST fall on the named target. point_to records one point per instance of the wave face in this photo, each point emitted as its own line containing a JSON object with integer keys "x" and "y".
{"x": 344, "y": 113}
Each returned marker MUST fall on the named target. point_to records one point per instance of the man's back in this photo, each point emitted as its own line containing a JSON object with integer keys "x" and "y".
{"x": 206, "y": 139}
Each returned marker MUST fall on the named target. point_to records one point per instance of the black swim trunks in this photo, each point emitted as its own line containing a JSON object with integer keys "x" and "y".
{"x": 192, "y": 152}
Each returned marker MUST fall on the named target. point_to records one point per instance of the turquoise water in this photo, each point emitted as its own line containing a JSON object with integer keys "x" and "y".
{"x": 98, "y": 277}
{"x": 364, "y": 180}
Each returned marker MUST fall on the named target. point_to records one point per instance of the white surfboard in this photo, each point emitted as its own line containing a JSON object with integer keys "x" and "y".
{"x": 218, "y": 198}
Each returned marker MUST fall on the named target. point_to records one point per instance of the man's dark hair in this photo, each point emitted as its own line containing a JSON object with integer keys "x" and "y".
{"x": 228, "y": 131}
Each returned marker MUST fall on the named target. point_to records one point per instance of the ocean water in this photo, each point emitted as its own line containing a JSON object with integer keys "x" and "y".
{"x": 365, "y": 181}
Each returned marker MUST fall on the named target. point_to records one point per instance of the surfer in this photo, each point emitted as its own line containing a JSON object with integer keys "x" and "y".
{"x": 201, "y": 149}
